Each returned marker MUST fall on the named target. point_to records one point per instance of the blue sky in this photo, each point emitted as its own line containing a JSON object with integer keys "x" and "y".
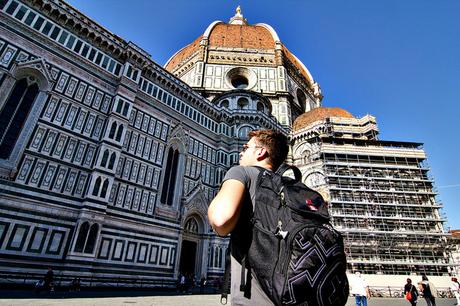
{"x": 396, "y": 60}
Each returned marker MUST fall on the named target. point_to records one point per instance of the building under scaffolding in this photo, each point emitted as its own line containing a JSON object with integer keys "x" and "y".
{"x": 381, "y": 196}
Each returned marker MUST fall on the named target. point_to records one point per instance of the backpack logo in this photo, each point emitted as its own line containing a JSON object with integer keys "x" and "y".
{"x": 313, "y": 205}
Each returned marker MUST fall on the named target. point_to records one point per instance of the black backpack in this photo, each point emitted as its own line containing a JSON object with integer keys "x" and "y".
{"x": 295, "y": 253}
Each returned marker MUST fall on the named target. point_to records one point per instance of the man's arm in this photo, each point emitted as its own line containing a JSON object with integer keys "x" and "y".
{"x": 224, "y": 210}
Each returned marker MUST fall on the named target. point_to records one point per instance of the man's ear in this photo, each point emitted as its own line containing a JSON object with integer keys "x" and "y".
{"x": 263, "y": 154}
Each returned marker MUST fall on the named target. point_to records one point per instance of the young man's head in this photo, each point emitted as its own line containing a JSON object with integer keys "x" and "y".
{"x": 265, "y": 147}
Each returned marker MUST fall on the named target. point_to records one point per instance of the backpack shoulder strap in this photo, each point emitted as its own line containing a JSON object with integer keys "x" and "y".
{"x": 226, "y": 285}
{"x": 285, "y": 167}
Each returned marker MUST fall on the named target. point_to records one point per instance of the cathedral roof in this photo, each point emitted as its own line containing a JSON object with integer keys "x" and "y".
{"x": 241, "y": 36}
{"x": 237, "y": 34}
{"x": 318, "y": 114}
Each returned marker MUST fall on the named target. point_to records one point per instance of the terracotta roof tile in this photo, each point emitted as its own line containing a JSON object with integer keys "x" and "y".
{"x": 183, "y": 54}
{"x": 318, "y": 114}
{"x": 241, "y": 36}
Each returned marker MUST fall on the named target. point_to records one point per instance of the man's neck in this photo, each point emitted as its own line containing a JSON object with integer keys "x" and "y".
{"x": 264, "y": 165}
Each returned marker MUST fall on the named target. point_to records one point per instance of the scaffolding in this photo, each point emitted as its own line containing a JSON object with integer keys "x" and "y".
{"x": 385, "y": 206}
{"x": 381, "y": 198}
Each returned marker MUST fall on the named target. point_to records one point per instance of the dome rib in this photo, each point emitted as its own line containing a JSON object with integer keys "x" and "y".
{"x": 298, "y": 63}
{"x": 271, "y": 30}
{"x": 183, "y": 54}
{"x": 210, "y": 28}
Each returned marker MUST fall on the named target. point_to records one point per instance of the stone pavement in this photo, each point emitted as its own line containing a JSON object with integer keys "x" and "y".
{"x": 171, "y": 300}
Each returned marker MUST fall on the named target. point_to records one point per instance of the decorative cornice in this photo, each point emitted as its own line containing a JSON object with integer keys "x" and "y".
{"x": 181, "y": 89}
{"x": 70, "y": 18}
{"x": 74, "y": 21}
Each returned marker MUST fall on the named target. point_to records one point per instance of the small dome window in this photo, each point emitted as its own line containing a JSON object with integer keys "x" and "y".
{"x": 224, "y": 104}
{"x": 243, "y": 132}
{"x": 243, "y": 103}
{"x": 260, "y": 107}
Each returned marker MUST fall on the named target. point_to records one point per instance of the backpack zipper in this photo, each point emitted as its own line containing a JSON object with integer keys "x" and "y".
{"x": 289, "y": 245}
{"x": 279, "y": 233}
{"x": 282, "y": 197}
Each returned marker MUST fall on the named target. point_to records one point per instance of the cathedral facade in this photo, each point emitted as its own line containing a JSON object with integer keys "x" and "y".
{"x": 108, "y": 161}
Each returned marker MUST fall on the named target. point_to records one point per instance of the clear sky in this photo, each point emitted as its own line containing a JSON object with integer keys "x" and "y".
{"x": 396, "y": 60}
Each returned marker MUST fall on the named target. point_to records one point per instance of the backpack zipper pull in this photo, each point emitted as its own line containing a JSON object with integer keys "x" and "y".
{"x": 282, "y": 197}
{"x": 279, "y": 231}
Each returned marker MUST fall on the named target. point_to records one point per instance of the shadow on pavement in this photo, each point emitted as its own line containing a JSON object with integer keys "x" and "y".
{"x": 25, "y": 293}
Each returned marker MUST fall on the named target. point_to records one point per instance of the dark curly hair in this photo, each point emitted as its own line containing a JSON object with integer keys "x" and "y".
{"x": 276, "y": 144}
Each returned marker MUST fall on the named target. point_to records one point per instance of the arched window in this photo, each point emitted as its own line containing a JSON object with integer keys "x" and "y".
{"x": 119, "y": 132}
{"x": 191, "y": 226}
{"x": 260, "y": 107}
{"x": 113, "y": 128}
{"x": 81, "y": 238}
{"x": 306, "y": 157}
{"x": 97, "y": 185}
{"x": 92, "y": 237}
{"x": 104, "y": 188}
{"x": 243, "y": 103}
{"x": 104, "y": 158}
{"x": 14, "y": 114}
{"x": 302, "y": 99}
{"x": 169, "y": 182}
{"x": 112, "y": 160}
{"x": 243, "y": 132}
{"x": 224, "y": 104}
{"x": 125, "y": 109}
{"x": 119, "y": 106}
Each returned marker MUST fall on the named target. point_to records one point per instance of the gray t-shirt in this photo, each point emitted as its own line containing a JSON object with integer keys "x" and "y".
{"x": 248, "y": 176}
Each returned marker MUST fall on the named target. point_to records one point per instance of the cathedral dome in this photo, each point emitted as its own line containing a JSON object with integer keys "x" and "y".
{"x": 238, "y": 34}
{"x": 319, "y": 114}
{"x": 224, "y": 35}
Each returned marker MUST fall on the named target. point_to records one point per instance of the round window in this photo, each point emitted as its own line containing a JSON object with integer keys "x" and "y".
{"x": 240, "y": 82}
{"x": 241, "y": 78}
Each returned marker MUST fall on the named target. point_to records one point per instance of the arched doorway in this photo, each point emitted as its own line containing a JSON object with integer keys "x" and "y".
{"x": 188, "y": 254}
{"x": 190, "y": 262}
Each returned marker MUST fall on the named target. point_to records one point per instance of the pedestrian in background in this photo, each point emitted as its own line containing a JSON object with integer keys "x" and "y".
{"x": 410, "y": 292}
{"x": 360, "y": 290}
{"x": 49, "y": 277}
{"x": 428, "y": 290}
{"x": 455, "y": 287}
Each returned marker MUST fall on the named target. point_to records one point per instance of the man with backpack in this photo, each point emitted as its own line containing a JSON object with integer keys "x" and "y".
{"x": 283, "y": 250}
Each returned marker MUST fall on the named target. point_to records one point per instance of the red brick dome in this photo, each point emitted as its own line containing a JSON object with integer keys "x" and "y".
{"x": 319, "y": 114}
{"x": 237, "y": 34}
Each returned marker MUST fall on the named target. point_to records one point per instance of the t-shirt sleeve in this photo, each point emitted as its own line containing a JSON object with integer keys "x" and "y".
{"x": 237, "y": 173}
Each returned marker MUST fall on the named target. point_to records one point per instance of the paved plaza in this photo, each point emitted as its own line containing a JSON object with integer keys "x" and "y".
{"x": 169, "y": 300}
